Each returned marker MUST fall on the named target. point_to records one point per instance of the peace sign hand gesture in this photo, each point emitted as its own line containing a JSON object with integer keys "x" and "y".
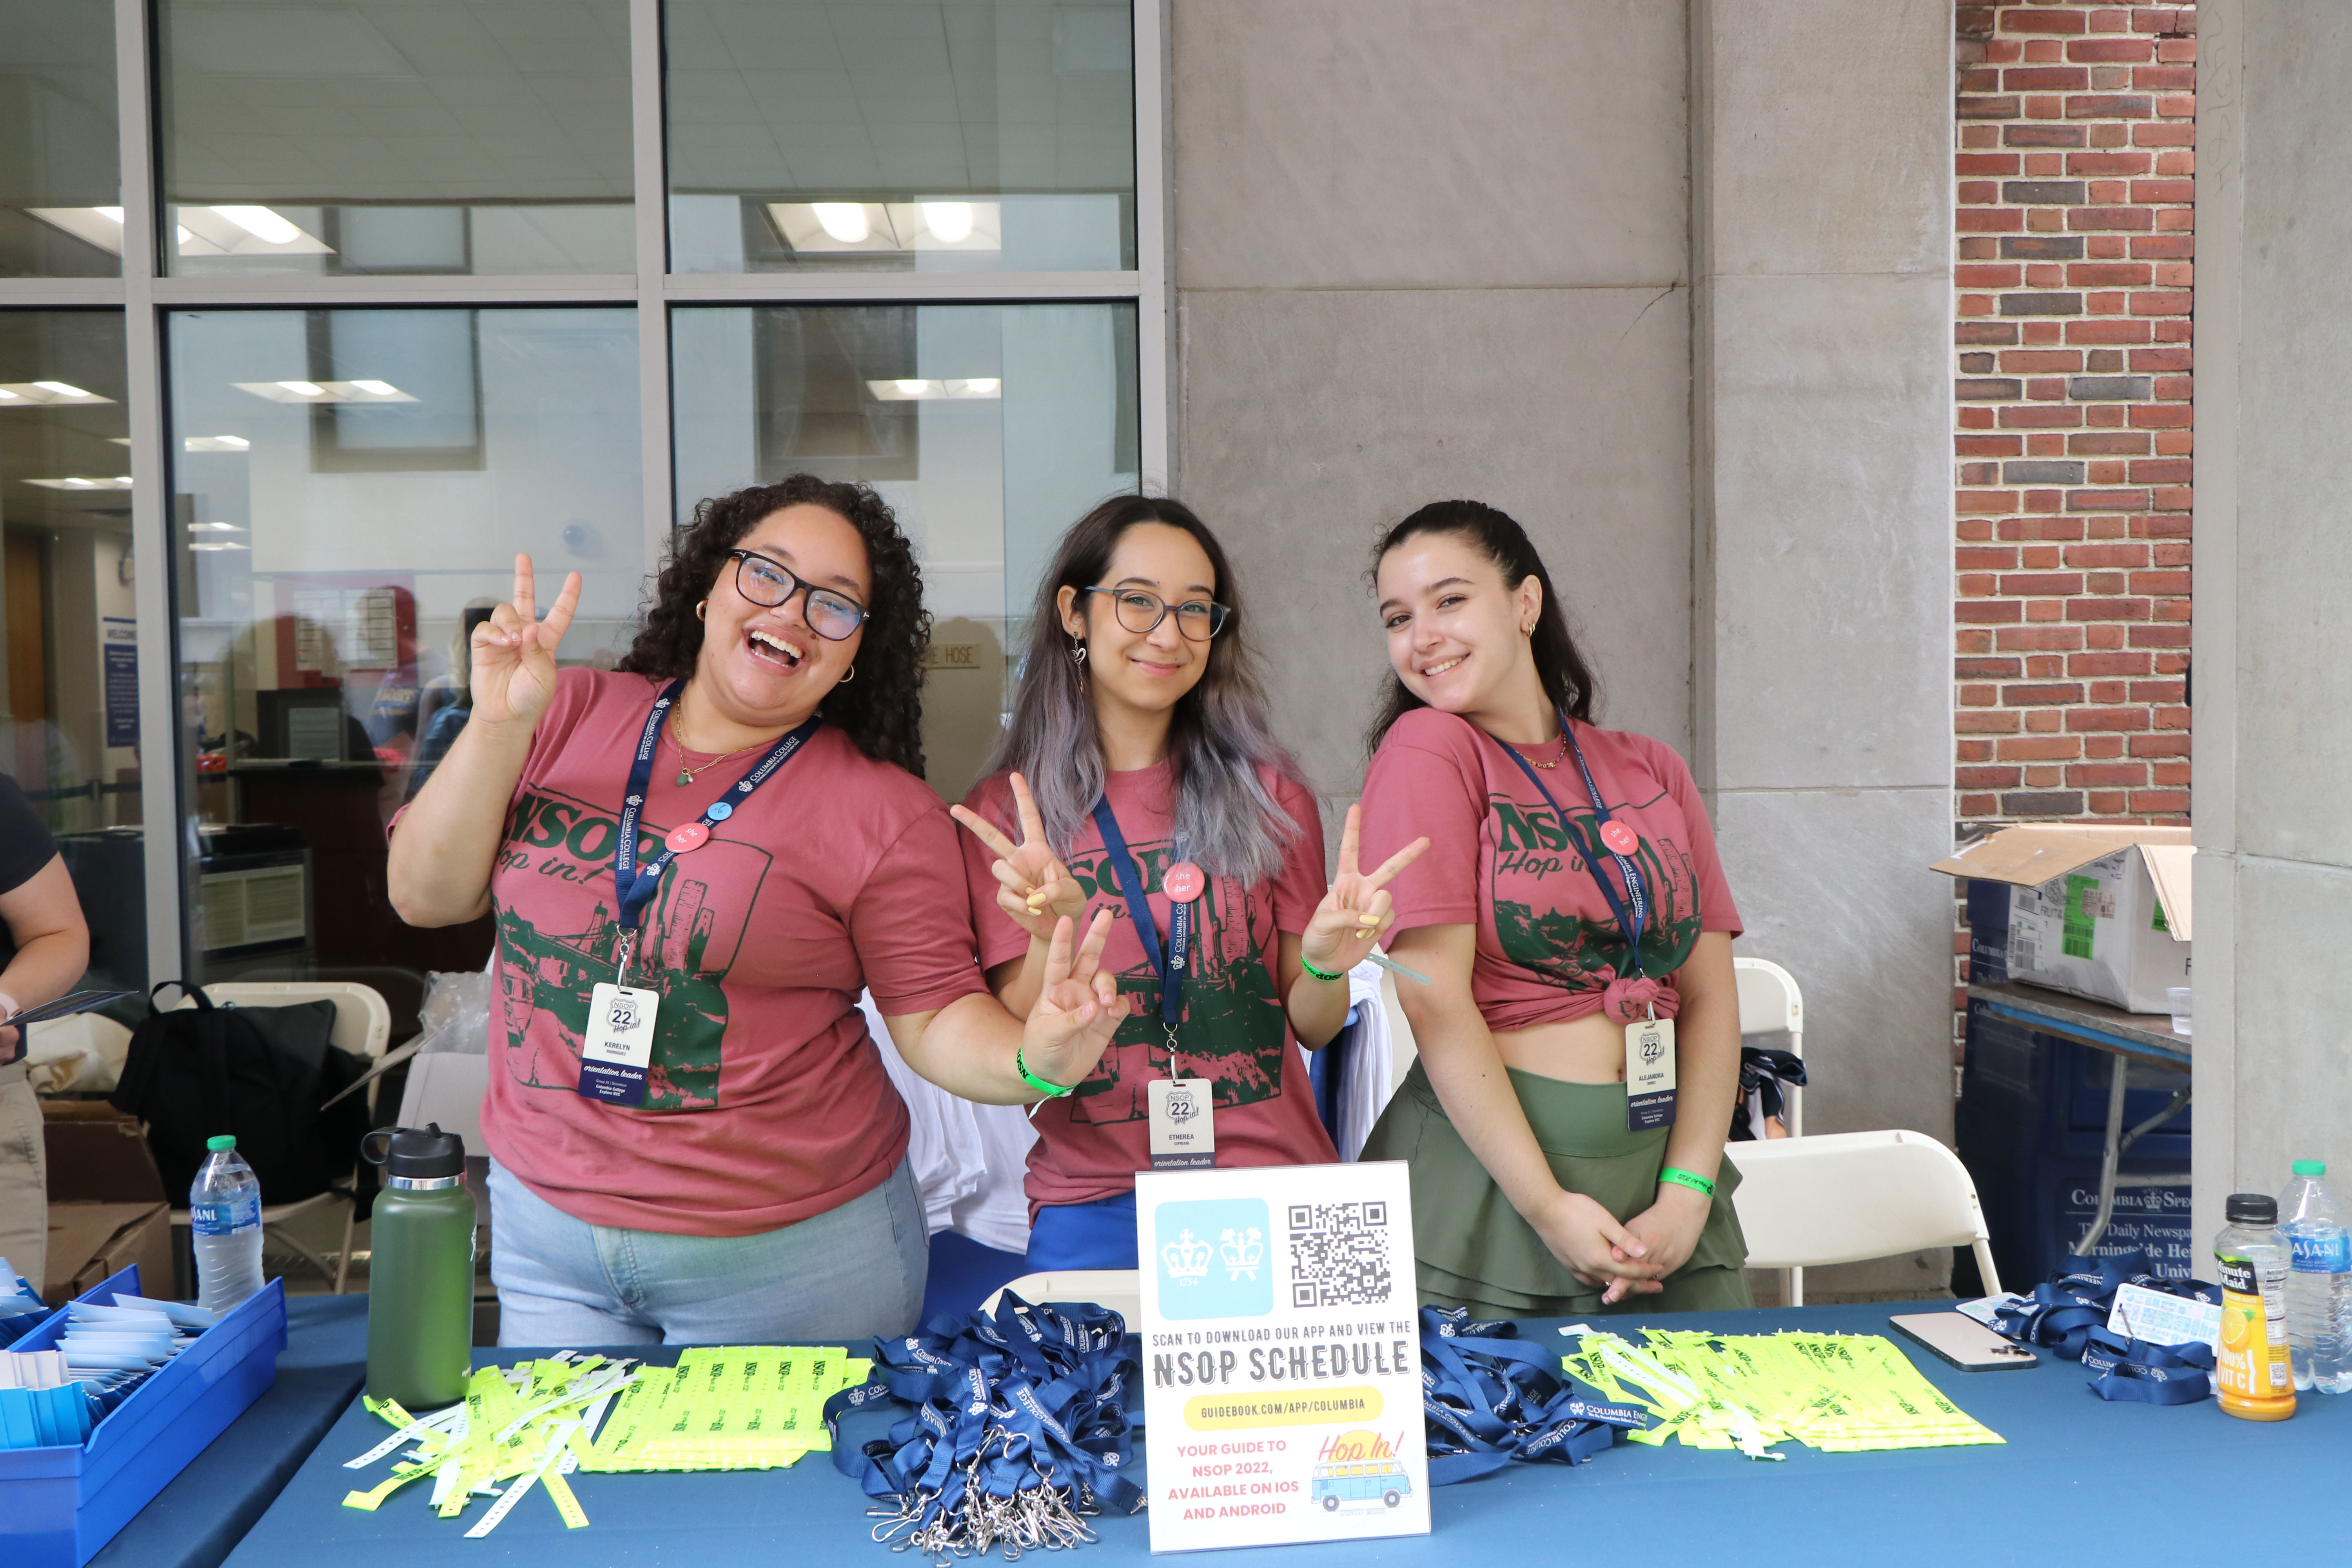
{"x": 1078, "y": 1009}
{"x": 1034, "y": 887}
{"x": 514, "y": 652}
{"x": 1357, "y": 912}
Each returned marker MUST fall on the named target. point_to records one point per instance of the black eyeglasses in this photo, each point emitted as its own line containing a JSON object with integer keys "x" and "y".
{"x": 833, "y": 617}
{"x": 1139, "y": 611}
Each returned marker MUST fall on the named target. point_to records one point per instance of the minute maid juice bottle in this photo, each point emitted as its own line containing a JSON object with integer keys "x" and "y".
{"x": 2253, "y": 1375}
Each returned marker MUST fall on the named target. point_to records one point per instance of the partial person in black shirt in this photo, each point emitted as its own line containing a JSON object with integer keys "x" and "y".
{"x": 44, "y": 948}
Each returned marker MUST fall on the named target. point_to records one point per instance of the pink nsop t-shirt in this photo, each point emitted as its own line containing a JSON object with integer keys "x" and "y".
{"x": 767, "y": 1103}
{"x": 1499, "y": 859}
{"x": 1236, "y": 1026}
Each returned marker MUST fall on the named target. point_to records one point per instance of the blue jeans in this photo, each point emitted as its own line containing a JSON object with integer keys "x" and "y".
{"x": 839, "y": 1277}
{"x": 1099, "y": 1235}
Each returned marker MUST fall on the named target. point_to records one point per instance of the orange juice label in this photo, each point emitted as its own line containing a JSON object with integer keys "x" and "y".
{"x": 2253, "y": 1354}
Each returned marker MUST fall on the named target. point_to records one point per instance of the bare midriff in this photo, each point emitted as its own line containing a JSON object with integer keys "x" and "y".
{"x": 1590, "y": 1050}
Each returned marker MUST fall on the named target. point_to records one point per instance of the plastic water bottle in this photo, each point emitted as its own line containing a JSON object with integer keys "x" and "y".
{"x": 2319, "y": 1286}
{"x": 224, "y": 1217}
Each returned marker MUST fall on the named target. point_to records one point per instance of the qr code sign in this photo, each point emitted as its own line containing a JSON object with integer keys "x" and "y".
{"x": 1340, "y": 1255}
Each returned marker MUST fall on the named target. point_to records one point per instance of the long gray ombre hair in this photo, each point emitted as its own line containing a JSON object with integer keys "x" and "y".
{"x": 1218, "y": 738}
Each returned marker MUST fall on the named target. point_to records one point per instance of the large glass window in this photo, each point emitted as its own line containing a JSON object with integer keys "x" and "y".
{"x": 70, "y": 653}
{"x": 900, "y": 136}
{"x": 384, "y": 137}
{"x": 989, "y": 428}
{"x": 350, "y": 490}
{"x": 60, "y": 197}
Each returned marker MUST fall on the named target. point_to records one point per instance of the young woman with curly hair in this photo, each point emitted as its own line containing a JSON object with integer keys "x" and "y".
{"x": 726, "y": 838}
{"x": 1140, "y": 780}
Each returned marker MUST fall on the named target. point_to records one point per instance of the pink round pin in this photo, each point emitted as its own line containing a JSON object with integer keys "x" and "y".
{"x": 1619, "y": 837}
{"x": 693, "y": 835}
{"x": 1183, "y": 882}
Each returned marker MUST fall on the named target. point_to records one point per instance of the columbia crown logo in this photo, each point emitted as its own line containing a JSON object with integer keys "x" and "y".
{"x": 1188, "y": 1258}
{"x": 1243, "y": 1251}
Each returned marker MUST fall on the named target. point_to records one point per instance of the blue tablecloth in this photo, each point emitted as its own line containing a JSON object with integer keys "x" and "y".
{"x": 2078, "y": 1476}
{"x": 206, "y": 1509}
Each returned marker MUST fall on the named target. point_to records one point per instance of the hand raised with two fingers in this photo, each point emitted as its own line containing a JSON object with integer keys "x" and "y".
{"x": 1032, "y": 885}
{"x": 514, "y": 652}
{"x": 1357, "y": 912}
{"x": 1079, "y": 1009}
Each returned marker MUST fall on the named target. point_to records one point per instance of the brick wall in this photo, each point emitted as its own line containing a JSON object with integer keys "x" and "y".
{"x": 2075, "y": 232}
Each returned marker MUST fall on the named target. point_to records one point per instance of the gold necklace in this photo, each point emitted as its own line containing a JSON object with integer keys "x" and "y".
{"x": 1555, "y": 762}
{"x": 677, "y": 738}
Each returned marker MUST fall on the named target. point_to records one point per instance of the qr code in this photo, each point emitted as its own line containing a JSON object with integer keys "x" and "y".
{"x": 1340, "y": 1255}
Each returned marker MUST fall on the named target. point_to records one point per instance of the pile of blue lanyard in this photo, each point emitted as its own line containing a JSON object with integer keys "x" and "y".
{"x": 2068, "y": 1316}
{"x": 1489, "y": 1398}
{"x": 1020, "y": 1431}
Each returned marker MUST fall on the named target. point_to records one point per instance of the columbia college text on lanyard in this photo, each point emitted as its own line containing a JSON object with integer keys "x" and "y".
{"x": 1183, "y": 1111}
{"x": 619, "y": 1046}
{"x": 1649, "y": 1042}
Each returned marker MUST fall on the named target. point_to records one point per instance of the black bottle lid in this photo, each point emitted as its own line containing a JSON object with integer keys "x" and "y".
{"x": 2251, "y": 1208}
{"x": 415, "y": 1153}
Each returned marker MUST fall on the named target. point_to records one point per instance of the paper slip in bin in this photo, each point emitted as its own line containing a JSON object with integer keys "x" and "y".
{"x": 60, "y": 1505}
{"x": 2101, "y": 913}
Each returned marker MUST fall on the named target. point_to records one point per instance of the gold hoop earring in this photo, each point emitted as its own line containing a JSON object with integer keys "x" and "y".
{"x": 703, "y": 610}
{"x": 848, "y": 678}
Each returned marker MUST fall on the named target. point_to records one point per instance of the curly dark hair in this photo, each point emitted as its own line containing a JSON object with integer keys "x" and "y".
{"x": 882, "y": 709}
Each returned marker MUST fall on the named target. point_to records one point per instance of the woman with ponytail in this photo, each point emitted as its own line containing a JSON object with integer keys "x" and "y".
{"x": 1138, "y": 776}
{"x": 1579, "y": 1035}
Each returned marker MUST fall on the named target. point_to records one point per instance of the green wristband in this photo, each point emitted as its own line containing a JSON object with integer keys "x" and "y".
{"x": 1319, "y": 974}
{"x": 1683, "y": 1178}
{"x": 1053, "y": 1090}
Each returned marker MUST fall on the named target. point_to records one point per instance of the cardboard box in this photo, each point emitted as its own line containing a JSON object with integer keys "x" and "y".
{"x": 2096, "y": 911}
{"x": 88, "y": 1242}
{"x": 98, "y": 1155}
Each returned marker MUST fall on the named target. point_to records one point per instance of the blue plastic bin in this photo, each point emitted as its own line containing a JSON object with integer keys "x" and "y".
{"x": 59, "y": 1506}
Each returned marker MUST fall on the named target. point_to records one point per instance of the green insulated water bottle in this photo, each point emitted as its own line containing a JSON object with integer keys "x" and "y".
{"x": 421, "y": 1280}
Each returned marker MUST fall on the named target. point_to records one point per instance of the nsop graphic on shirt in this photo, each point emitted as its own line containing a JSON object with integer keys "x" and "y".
{"x": 1233, "y": 1027}
{"x": 691, "y": 941}
{"x": 1535, "y": 855}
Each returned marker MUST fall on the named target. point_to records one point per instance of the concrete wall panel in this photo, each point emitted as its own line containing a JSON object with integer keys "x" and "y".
{"x": 1387, "y": 143}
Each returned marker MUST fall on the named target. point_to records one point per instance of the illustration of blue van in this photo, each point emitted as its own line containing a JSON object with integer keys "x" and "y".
{"x": 1365, "y": 1481}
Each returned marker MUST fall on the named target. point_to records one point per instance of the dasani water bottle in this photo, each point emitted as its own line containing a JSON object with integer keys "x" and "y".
{"x": 225, "y": 1220}
{"x": 2319, "y": 1287}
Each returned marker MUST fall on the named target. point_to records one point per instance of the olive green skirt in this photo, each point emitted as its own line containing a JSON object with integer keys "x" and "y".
{"x": 1474, "y": 1250}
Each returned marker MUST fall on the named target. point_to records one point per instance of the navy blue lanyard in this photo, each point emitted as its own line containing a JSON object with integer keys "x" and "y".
{"x": 1630, "y": 921}
{"x": 2068, "y": 1316}
{"x": 1169, "y": 967}
{"x": 635, "y": 887}
{"x": 1489, "y": 1398}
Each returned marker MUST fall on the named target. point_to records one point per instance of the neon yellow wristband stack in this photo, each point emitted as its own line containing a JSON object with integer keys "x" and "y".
{"x": 1683, "y": 1178}
{"x": 1053, "y": 1090}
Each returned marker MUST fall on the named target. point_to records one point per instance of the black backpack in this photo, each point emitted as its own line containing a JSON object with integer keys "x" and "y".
{"x": 259, "y": 1073}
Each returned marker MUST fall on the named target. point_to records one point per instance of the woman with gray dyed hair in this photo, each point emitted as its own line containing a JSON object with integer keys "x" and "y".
{"x": 1138, "y": 776}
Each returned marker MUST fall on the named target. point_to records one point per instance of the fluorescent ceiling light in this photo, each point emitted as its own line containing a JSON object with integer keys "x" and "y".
{"x": 99, "y": 226}
{"x": 237, "y": 230}
{"x": 215, "y": 444}
{"x": 324, "y": 391}
{"x": 846, "y": 221}
{"x": 45, "y": 394}
{"x": 262, "y": 223}
{"x": 219, "y": 545}
{"x": 950, "y": 222}
{"x": 214, "y": 528}
{"x": 120, "y": 482}
{"x": 913, "y": 389}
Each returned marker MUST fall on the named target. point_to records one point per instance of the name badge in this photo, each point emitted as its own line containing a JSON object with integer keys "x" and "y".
{"x": 619, "y": 1046}
{"x": 1184, "y": 1123}
{"x": 1649, "y": 1074}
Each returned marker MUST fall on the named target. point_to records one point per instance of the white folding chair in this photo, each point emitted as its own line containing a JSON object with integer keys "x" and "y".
{"x": 1841, "y": 1197}
{"x": 1768, "y": 1004}
{"x": 362, "y": 1027}
{"x": 1120, "y": 1290}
